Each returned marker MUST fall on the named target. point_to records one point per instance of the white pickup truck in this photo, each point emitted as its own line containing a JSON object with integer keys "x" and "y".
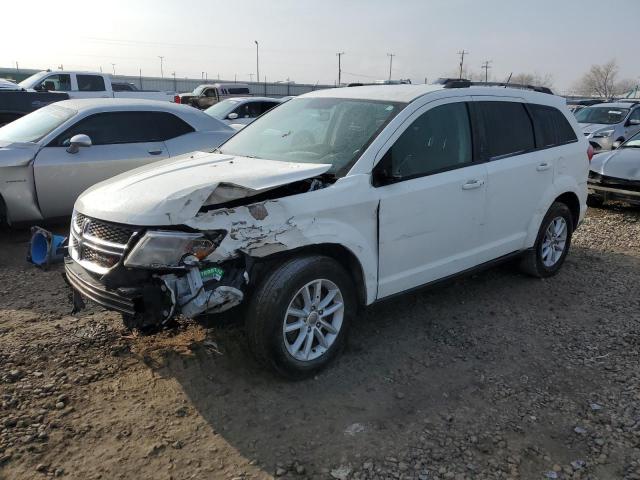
{"x": 86, "y": 85}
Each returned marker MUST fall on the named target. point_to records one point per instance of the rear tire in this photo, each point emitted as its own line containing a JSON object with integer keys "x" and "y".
{"x": 298, "y": 334}
{"x": 552, "y": 243}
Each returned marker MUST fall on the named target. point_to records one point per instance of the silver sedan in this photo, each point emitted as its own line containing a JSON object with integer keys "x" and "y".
{"x": 49, "y": 157}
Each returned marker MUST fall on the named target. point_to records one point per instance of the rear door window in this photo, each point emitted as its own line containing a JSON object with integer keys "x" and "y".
{"x": 90, "y": 83}
{"x": 551, "y": 126}
{"x": 505, "y": 127}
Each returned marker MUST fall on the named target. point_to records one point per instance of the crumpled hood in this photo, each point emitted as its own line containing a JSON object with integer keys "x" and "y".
{"x": 622, "y": 163}
{"x": 594, "y": 127}
{"x": 171, "y": 192}
{"x": 17, "y": 154}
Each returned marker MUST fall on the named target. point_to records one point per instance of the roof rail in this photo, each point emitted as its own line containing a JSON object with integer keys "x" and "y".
{"x": 464, "y": 83}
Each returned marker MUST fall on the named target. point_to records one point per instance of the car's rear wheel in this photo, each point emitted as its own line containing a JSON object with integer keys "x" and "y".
{"x": 552, "y": 243}
{"x": 299, "y": 315}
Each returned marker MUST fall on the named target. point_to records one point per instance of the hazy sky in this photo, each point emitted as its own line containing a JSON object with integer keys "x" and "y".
{"x": 299, "y": 39}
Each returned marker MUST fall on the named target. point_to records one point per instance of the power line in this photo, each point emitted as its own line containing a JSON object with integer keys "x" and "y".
{"x": 390, "y": 55}
{"x": 485, "y": 66}
{"x": 462, "y": 54}
{"x": 339, "y": 54}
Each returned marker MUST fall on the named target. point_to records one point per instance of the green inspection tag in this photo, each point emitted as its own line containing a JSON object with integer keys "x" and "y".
{"x": 213, "y": 273}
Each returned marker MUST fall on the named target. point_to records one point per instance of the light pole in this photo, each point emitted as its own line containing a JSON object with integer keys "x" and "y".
{"x": 390, "y": 55}
{"x": 257, "y": 61}
{"x": 339, "y": 54}
{"x": 161, "y": 70}
{"x": 114, "y": 68}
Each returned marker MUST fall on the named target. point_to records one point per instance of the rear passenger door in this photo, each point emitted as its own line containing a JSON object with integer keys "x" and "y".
{"x": 518, "y": 175}
{"x": 432, "y": 198}
{"x": 120, "y": 141}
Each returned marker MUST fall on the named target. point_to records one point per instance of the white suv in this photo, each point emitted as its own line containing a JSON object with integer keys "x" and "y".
{"x": 336, "y": 199}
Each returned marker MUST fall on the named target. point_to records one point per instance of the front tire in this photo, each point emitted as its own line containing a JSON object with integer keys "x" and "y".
{"x": 299, "y": 315}
{"x": 552, "y": 243}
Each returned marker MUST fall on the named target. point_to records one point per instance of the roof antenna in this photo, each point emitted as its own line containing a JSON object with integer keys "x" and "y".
{"x": 508, "y": 80}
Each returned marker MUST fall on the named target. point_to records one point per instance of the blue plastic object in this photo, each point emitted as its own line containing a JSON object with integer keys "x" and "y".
{"x": 46, "y": 248}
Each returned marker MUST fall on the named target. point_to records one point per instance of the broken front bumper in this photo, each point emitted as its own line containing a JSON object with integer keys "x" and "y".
{"x": 609, "y": 188}
{"x": 87, "y": 286}
{"x": 155, "y": 297}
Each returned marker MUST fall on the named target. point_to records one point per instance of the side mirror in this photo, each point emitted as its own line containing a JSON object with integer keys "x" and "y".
{"x": 78, "y": 141}
{"x": 232, "y": 116}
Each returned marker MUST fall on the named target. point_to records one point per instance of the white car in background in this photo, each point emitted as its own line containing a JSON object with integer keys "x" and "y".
{"x": 241, "y": 111}
{"x": 87, "y": 85}
{"x": 50, "y": 156}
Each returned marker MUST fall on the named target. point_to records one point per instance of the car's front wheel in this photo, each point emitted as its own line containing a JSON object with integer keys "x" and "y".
{"x": 552, "y": 243}
{"x": 299, "y": 315}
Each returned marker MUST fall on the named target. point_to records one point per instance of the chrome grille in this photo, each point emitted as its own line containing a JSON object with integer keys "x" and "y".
{"x": 97, "y": 245}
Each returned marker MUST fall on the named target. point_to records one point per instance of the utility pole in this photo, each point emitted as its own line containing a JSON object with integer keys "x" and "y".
{"x": 251, "y": 77}
{"x": 161, "y": 70}
{"x": 390, "y": 55}
{"x": 140, "y": 77}
{"x": 175, "y": 83}
{"x": 257, "y": 61}
{"x": 486, "y": 67}
{"x": 339, "y": 54}
{"x": 114, "y": 68}
{"x": 462, "y": 54}
{"x": 17, "y": 68}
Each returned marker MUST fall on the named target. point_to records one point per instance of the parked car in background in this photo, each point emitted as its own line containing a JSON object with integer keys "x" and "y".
{"x": 203, "y": 96}
{"x": 335, "y": 199}
{"x": 241, "y": 111}
{"x": 6, "y": 84}
{"x": 607, "y": 125}
{"x": 616, "y": 175}
{"x": 51, "y": 155}
{"x": 576, "y": 105}
{"x": 124, "y": 87}
{"x": 16, "y": 102}
{"x": 87, "y": 85}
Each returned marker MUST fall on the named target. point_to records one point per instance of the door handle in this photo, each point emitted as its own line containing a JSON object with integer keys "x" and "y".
{"x": 543, "y": 166}
{"x": 471, "y": 184}
{"x": 155, "y": 152}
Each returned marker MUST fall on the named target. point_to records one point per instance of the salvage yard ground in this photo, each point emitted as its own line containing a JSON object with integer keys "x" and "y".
{"x": 493, "y": 376}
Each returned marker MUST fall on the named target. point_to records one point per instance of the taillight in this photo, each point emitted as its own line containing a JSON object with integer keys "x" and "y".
{"x": 590, "y": 152}
{"x": 176, "y": 98}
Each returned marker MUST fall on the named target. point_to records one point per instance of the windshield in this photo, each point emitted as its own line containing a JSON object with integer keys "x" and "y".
{"x": 633, "y": 142}
{"x": 29, "y": 82}
{"x": 602, "y": 115}
{"x": 314, "y": 130}
{"x": 36, "y": 125}
{"x": 221, "y": 109}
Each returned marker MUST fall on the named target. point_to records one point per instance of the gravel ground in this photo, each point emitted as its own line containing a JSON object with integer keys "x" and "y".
{"x": 495, "y": 376}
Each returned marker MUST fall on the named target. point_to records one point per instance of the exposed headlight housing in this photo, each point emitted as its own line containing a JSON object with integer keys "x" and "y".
{"x": 167, "y": 249}
{"x": 603, "y": 133}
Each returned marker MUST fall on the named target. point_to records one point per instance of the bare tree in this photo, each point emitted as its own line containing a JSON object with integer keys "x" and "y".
{"x": 536, "y": 79}
{"x": 602, "y": 81}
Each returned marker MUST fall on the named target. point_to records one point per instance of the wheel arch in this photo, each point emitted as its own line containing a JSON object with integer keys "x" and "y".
{"x": 570, "y": 199}
{"x": 343, "y": 255}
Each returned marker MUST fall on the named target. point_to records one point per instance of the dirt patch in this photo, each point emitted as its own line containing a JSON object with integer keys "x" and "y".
{"x": 494, "y": 376}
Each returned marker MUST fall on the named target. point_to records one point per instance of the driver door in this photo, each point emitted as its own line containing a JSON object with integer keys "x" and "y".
{"x": 121, "y": 141}
{"x": 432, "y": 199}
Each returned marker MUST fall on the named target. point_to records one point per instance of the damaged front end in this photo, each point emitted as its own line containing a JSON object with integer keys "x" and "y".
{"x": 151, "y": 275}
{"x": 181, "y": 238}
